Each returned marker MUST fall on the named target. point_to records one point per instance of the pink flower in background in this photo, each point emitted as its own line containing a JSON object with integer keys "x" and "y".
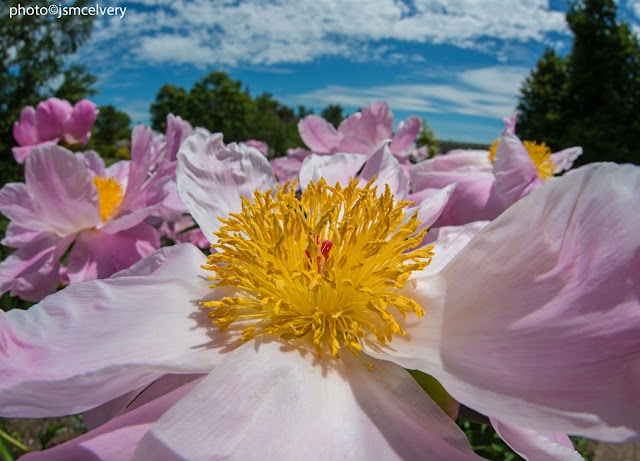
{"x": 53, "y": 120}
{"x": 488, "y": 182}
{"x": 514, "y": 322}
{"x": 260, "y": 145}
{"x": 71, "y": 204}
{"x": 359, "y": 133}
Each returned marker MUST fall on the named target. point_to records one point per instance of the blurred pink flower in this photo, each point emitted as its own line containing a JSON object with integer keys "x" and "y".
{"x": 360, "y": 132}
{"x": 53, "y": 120}
{"x": 71, "y": 204}
{"x": 260, "y": 145}
{"x": 488, "y": 182}
{"x": 515, "y": 320}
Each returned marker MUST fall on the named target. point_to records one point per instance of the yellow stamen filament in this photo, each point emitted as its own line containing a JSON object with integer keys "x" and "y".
{"x": 110, "y": 196}
{"x": 325, "y": 267}
{"x": 539, "y": 153}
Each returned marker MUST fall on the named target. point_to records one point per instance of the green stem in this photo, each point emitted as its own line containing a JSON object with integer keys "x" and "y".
{"x": 13, "y": 441}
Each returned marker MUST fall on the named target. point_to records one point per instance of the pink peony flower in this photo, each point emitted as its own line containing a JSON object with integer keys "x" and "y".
{"x": 488, "y": 182}
{"x": 71, "y": 204}
{"x": 360, "y": 132}
{"x": 52, "y": 121}
{"x": 514, "y": 322}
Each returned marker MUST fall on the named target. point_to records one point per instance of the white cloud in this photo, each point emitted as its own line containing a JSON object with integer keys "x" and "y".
{"x": 489, "y": 92}
{"x": 268, "y": 32}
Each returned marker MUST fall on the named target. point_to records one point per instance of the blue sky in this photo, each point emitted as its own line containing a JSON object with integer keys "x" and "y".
{"x": 458, "y": 63}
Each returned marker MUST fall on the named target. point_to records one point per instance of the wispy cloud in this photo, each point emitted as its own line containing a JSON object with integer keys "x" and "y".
{"x": 488, "y": 92}
{"x": 269, "y": 32}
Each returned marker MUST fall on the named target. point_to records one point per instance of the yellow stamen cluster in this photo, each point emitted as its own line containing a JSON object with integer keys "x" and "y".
{"x": 539, "y": 153}
{"x": 110, "y": 196}
{"x": 325, "y": 267}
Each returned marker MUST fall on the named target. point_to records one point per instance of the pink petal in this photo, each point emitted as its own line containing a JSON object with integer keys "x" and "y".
{"x": 94, "y": 162}
{"x": 537, "y": 446}
{"x": 510, "y": 123}
{"x": 260, "y": 145}
{"x": 31, "y": 272}
{"x": 459, "y": 159}
{"x": 298, "y": 153}
{"x": 406, "y": 135}
{"x": 278, "y": 401}
{"x": 286, "y": 168}
{"x": 177, "y": 131}
{"x": 120, "y": 172}
{"x": 564, "y": 159}
{"x": 77, "y": 128}
{"x": 115, "y": 440}
{"x": 17, "y": 205}
{"x": 373, "y": 124}
{"x": 384, "y": 118}
{"x": 139, "y": 168}
{"x": 51, "y": 116}
{"x": 516, "y": 175}
{"x": 25, "y": 131}
{"x": 98, "y": 255}
{"x": 540, "y": 312}
{"x": 448, "y": 241}
{"x": 20, "y": 154}
{"x": 213, "y": 177}
{"x": 319, "y": 135}
{"x": 387, "y": 170}
{"x": 16, "y": 236}
{"x": 429, "y": 204}
{"x": 474, "y": 198}
{"x": 355, "y": 145}
{"x": 62, "y": 190}
{"x": 336, "y": 168}
{"x": 97, "y": 340}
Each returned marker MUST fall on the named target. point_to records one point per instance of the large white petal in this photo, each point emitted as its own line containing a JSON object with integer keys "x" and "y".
{"x": 273, "y": 401}
{"x": 97, "y": 340}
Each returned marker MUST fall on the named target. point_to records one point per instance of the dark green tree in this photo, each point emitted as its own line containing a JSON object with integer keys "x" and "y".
{"x": 219, "y": 103}
{"x": 170, "y": 99}
{"x": 589, "y": 98}
{"x": 543, "y": 98}
{"x": 427, "y": 137}
{"x": 77, "y": 83}
{"x": 112, "y": 127}
{"x": 333, "y": 113}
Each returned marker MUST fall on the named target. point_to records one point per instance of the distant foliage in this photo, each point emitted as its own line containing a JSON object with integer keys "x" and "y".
{"x": 589, "y": 98}
{"x": 427, "y": 137}
{"x": 333, "y": 113}
{"x": 219, "y": 103}
{"x": 111, "y": 133}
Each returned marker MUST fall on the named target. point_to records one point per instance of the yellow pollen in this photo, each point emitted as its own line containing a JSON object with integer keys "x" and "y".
{"x": 539, "y": 153}
{"x": 109, "y": 196}
{"x": 324, "y": 268}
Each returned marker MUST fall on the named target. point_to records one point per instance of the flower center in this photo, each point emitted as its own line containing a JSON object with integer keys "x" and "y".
{"x": 326, "y": 267}
{"x": 539, "y": 153}
{"x": 109, "y": 196}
